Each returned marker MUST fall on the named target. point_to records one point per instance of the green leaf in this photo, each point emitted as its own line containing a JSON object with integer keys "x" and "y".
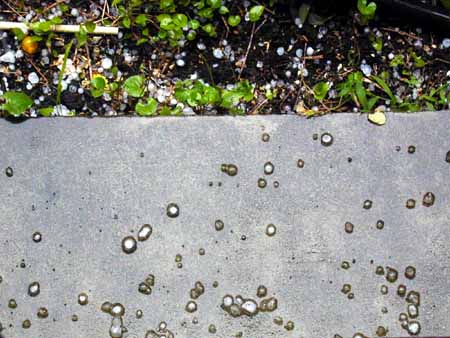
{"x": 47, "y": 112}
{"x": 98, "y": 85}
{"x": 16, "y": 103}
{"x": 147, "y": 108}
{"x": 255, "y": 13}
{"x": 234, "y": 20}
{"x": 180, "y": 20}
{"x": 134, "y": 86}
{"x": 90, "y": 26}
{"x": 321, "y": 90}
{"x": 141, "y": 20}
{"x": 385, "y": 88}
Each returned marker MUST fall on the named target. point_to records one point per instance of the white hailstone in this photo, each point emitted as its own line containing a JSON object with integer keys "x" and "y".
{"x": 391, "y": 56}
{"x": 33, "y": 78}
{"x": 201, "y": 46}
{"x": 19, "y": 54}
{"x": 74, "y": 12}
{"x": 299, "y": 53}
{"x": 446, "y": 43}
{"x": 280, "y": 51}
{"x": 309, "y": 51}
{"x": 61, "y": 110}
{"x": 107, "y": 63}
{"x": 29, "y": 86}
{"x": 298, "y": 22}
{"x": 366, "y": 69}
{"x": 259, "y": 64}
{"x": 128, "y": 58}
{"x": 80, "y": 90}
{"x": 8, "y": 57}
{"x": 218, "y": 54}
{"x": 180, "y": 63}
{"x": 249, "y": 307}
{"x": 188, "y": 111}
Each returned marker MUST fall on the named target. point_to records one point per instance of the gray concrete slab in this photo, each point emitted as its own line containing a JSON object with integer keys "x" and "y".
{"x": 85, "y": 184}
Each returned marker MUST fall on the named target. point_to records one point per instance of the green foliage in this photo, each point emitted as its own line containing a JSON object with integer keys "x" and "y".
{"x": 147, "y": 108}
{"x": 45, "y": 26}
{"x": 320, "y": 90}
{"x": 255, "y": 13}
{"x": 366, "y": 10}
{"x": 398, "y": 60}
{"x": 446, "y": 3}
{"x": 353, "y": 90}
{"x": 198, "y": 94}
{"x": 98, "y": 86}
{"x": 16, "y": 103}
{"x": 134, "y": 86}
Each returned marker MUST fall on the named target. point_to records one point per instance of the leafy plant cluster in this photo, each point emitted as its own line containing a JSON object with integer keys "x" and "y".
{"x": 178, "y": 21}
{"x": 199, "y": 95}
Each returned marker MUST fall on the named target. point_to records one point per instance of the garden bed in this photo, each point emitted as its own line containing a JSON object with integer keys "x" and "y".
{"x": 239, "y": 57}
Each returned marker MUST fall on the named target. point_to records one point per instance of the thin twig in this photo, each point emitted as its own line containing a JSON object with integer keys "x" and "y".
{"x": 244, "y": 62}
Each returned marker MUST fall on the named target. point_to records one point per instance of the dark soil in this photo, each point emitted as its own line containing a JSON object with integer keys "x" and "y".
{"x": 340, "y": 46}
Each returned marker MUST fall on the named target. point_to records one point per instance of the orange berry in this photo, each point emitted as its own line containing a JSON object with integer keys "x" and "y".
{"x": 29, "y": 45}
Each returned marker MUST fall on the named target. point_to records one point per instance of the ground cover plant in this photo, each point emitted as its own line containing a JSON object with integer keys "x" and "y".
{"x": 210, "y": 57}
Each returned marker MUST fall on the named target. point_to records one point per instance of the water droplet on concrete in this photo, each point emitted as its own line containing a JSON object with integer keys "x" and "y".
{"x": 271, "y": 230}
{"x": 401, "y": 290}
{"x": 116, "y": 328}
{"x": 367, "y": 204}
{"x": 42, "y": 313}
{"x": 300, "y": 163}
{"x": 144, "y": 232}
{"x": 326, "y": 139}
{"x": 37, "y": 237}
{"x": 191, "y": 306}
{"x": 411, "y": 203}
{"x": 380, "y": 224}
{"x": 117, "y": 310}
{"x": 413, "y": 310}
{"x": 83, "y": 299}
{"x": 346, "y": 288}
{"x": 173, "y": 210}
{"x": 129, "y": 244}
{"x": 26, "y": 324}
{"x": 428, "y": 199}
{"x": 12, "y": 304}
{"x": 265, "y": 137}
{"x": 413, "y": 297}
{"x": 289, "y": 325}
{"x": 269, "y": 168}
{"x": 212, "y": 328}
{"x": 411, "y": 149}
{"x": 9, "y": 172}
{"x": 391, "y": 275}
{"x": 262, "y": 183}
{"x": 219, "y": 225}
{"x": 261, "y": 291}
{"x": 381, "y": 331}
{"x": 348, "y": 227}
{"x": 414, "y": 327}
{"x": 410, "y": 272}
{"x": 34, "y": 289}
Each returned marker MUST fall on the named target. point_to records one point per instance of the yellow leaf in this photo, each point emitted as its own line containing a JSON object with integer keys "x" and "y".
{"x": 378, "y": 118}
